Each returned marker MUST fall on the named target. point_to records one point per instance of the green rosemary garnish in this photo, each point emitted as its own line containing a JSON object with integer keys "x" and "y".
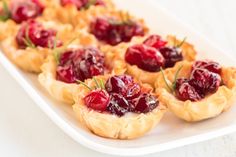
{"x": 102, "y": 84}
{"x": 97, "y": 85}
{"x": 96, "y": 82}
{"x": 181, "y": 43}
{"x": 27, "y": 39}
{"x": 89, "y": 3}
{"x": 57, "y": 51}
{"x": 6, "y": 12}
{"x": 171, "y": 87}
{"x": 125, "y": 19}
{"x": 165, "y": 80}
{"x": 176, "y": 76}
{"x": 84, "y": 84}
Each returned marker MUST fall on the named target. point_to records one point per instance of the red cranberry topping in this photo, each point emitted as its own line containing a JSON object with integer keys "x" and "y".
{"x": 209, "y": 65}
{"x": 205, "y": 81}
{"x": 124, "y": 85}
{"x": 180, "y": 81}
{"x": 171, "y": 55}
{"x": 115, "y": 85}
{"x": 155, "y": 41}
{"x": 113, "y": 32}
{"x": 24, "y": 10}
{"x": 133, "y": 91}
{"x": 124, "y": 96}
{"x": 82, "y": 3}
{"x": 184, "y": 91}
{"x": 118, "y": 84}
{"x": 37, "y": 35}
{"x": 145, "y": 103}
{"x": 97, "y": 100}
{"x": 145, "y": 57}
{"x": 80, "y": 64}
{"x": 118, "y": 105}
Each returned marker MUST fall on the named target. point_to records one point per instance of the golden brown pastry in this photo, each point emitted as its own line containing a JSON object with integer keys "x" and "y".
{"x": 69, "y": 13}
{"x": 29, "y": 56}
{"x": 205, "y": 95}
{"x": 62, "y": 87}
{"x": 115, "y": 121}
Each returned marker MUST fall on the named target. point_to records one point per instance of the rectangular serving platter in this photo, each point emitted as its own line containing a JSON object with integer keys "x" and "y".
{"x": 171, "y": 132}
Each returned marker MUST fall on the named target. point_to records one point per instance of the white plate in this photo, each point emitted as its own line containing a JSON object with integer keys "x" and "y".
{"x": 171, "y": 132}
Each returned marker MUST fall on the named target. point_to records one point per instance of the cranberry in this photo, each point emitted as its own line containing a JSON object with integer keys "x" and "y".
{"x": 66, "y": 74}
{"x": 145, "y": 103}
{"x": 118, "y": 105}
{"x": 36, "y": 34}
{"x": 115, "y": 85}
{"x": 145, "y": 57}
{"x": 124, "y": 85}
{"x": 184, "y": 91}
{"x": 180, "y": 81}
{"x": 205, "y": 81}
{"x": 97, "y": 100}
{"x": 114, "y": 32}
{"x": 100, "y": 28}
{"x": 171, "y": 55}
{"x": 155, "y": 41}
{"x": 132, "y": 91}
{"x": 80, "y": 64}
{"x": 209, "y": 65}
{"x": 24, "y": 10}
{"x": 118, "y": 83}
{"x": 81, "y": 3}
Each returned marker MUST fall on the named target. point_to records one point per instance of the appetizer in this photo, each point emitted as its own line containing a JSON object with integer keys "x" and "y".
{"x": 145, "y": 56}
{"x": 117, "y": 107}
{"x": 197, "y": 91}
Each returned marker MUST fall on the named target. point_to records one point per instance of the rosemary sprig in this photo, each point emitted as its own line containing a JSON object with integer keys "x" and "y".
{"x": 102, "y": 84}
{"x": 125, "y": 19}
{"x": 90, "y": 3}
{"x": 165, "y": 80}
{"x": 97, "y": 85}
{"x": 171, "y": 87}
{"x": 6, "y": 12}
{"x": 84, "y": 84}
{"x": 57, "y": 51}
{"x": 96, "y": 82}
{"x": 27, "y": 39}
{"x": 181, "y": 43}
{"x": 176, "y": 76}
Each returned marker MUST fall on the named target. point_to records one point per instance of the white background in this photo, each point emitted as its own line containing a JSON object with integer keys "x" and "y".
{"x": 25, "y": 131}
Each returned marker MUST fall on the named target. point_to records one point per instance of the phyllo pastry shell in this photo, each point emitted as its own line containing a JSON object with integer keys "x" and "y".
{"x": 30, "y": 59}
{"x": 210, "y": 106}
{"x": 70, "y": 14}
{"x": 104, "y": 124}
{"x": 7, "y": 28}
{"x": 63, "y": 91}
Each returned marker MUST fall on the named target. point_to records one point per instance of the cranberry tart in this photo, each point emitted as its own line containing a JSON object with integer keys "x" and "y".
{"x": 13, "y": 13}
{"x": 197, "y": 91}
{"x": 33, "y": 41}
{"x": 145, "y": 56}
{"x": 113, "y": 27}
{"x": 72, "y": 11}
{"x": 62, "y": 74}
{"x": 117, "y": 107}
